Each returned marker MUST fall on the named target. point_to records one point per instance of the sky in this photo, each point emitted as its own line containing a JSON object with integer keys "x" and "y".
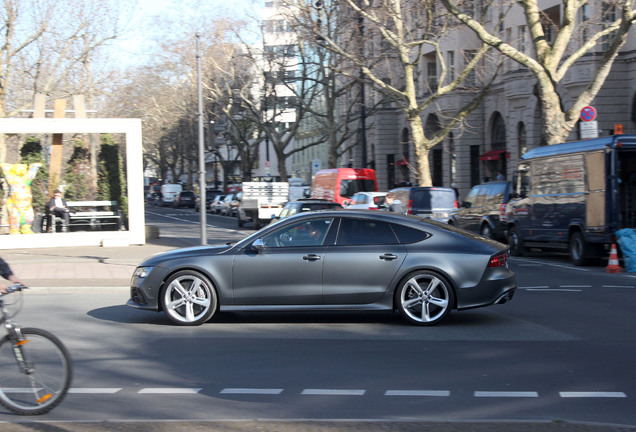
{"x": 133, "y": 47}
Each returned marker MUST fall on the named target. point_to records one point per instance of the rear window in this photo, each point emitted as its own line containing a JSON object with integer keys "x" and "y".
{"x": 433, "y": 199}
{"x": 186, "y": 194}
{"x": 365, "y": 232}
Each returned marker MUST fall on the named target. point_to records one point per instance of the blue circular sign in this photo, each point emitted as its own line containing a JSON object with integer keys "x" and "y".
{"x": 588, "y": 113}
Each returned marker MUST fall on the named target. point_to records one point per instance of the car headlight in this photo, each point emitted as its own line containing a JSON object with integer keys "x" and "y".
{"x": 142, "y": 272}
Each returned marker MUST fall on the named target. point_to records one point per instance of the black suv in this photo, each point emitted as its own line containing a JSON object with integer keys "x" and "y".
{"x": 184, "y": 199}
{"x": 305, "y": 205}
{"x": 432, "y": 202}
{"x": 483, "y": 209}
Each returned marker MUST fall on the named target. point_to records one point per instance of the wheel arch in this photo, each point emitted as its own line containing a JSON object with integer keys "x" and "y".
{"x": 412, "y": 271}
{"x": 213, "y": 281}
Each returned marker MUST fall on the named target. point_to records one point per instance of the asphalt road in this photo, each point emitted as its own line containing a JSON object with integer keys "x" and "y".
{"x": 558, "y": 357}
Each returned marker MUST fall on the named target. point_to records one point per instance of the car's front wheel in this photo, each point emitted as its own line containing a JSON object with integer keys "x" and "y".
{"x": 425, "y": 298}
{"x": 515, "y": 242}
{"x": 189, "y": 298}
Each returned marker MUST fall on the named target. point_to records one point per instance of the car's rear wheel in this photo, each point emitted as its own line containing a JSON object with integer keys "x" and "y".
{"x": 189, "y": 298}
{"x": 425, "y": 298}
{"x": 579, "y": 249}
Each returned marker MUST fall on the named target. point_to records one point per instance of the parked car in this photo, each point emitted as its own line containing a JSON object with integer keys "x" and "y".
{"x": 209, "y": 197}
{"x": 434, "y": 202}
{"x": 184, "y": 199}
{"x": 216, "y": 204}
{"x": 229, "y": 205}
{"x": 330, "y": 260}
{"x": 306, "y": 205}
{"x": 366, "y": 201}
{"x": 483, "y": 209}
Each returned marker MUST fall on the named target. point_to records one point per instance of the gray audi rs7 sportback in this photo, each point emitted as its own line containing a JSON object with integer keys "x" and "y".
{"x": 330, "y": 260}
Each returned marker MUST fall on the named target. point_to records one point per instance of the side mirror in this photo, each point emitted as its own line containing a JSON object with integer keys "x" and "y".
{"x": 258, "y": 245}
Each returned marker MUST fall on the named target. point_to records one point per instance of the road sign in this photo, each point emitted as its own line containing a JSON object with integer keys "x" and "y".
{"x": 589, "y": 129}
{"x": 588, "y": 114}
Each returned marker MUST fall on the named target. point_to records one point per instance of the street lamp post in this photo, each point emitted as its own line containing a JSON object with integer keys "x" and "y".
{"x": 202, "y": 185}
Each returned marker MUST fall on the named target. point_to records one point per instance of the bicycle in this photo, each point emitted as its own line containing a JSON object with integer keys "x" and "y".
{"x": 44, "y": 369}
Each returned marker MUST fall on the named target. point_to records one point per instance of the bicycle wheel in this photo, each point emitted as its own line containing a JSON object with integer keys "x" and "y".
{"x": 44, "y": 384}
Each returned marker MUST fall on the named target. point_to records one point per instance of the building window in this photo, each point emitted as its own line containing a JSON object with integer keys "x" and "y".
{"x": 521, "y": 140}
{"x": 585, "y": 17}
{"x": 432, "y": 74}
{"x": 608, "y": 17}
{"x": 523, "y": 38}
{"x": 451, "y": 65}
{"x": 469, "y": 81}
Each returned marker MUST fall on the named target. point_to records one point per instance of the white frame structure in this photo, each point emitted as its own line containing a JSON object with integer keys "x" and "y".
{"x": 136, "y": 233}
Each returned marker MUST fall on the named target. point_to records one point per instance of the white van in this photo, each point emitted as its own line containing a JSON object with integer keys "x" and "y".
{"x": 168, "y": 192}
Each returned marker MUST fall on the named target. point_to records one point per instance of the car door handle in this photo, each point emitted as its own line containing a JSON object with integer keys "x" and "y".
{"x": 311, "y": 257}
{"x": 388, "y": 257}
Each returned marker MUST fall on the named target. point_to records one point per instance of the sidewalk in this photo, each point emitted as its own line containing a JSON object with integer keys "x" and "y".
{"x": 85, "y": 266}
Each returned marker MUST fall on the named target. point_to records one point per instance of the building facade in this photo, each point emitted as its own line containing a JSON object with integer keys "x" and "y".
{"x": 508, "y": 121}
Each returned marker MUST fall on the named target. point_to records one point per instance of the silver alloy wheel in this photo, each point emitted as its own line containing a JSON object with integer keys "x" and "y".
{"x": 189, "y": 298}
{"x": 425, "y": 298}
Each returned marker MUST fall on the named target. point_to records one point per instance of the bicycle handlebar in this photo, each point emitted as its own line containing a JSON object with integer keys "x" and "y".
{"x": 14, "y": 288}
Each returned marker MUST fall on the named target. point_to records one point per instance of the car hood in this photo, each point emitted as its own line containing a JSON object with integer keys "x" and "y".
{"x": 157, "y": 259}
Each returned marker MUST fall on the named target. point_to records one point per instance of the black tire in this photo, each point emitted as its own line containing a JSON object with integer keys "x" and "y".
{"x": 579, "y": 249}
{"x": 188, "y": 298}
{"x": 50, "y": 373}
{"x": 240, "y": 221}
{"x": 486, "y": 230}
{"x": 424, "y": 298}
{"x": 515, "y": 242}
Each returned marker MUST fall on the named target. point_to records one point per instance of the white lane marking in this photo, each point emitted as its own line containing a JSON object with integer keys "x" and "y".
{"x": 581, "y": 394}
{"x": 575, "y": 286}
{"x": 332, "y": 392}
{"x": 569, "y": 267}
{"x": 261, "y": 391}
{"x": 618, "y": 286}
{"x": 434, "y": 393}
{"x": 550, "y": 289}
{"x": 513, "y": 394}
{"x": 94, "y": 390}
{"x": 170, "y": 390}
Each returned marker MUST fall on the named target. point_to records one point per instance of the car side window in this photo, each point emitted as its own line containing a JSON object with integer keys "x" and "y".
{"x": 305, "y": 233}
{"x": 365, "y": 232}
{"x": 409, "y": 235}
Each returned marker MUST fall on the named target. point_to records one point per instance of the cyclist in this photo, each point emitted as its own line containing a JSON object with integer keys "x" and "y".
{"x": 5, "y": 272}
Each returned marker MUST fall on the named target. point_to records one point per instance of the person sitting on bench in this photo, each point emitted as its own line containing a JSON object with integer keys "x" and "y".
{"x": 58, "y": 208}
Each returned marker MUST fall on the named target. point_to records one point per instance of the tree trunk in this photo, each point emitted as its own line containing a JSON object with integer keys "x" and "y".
{"x": 421, "y": 150}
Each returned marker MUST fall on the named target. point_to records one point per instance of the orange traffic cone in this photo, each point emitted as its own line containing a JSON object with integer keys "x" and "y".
{"x": 612, "y": 265}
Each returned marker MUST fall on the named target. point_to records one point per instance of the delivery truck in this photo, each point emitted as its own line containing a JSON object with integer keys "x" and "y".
{"x": 573, "y": 197}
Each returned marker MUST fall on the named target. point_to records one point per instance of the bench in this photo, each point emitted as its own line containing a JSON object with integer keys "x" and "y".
{"x": 90, "y": 216}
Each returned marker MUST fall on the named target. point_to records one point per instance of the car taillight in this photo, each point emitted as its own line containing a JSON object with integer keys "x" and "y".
{"x": 502, "y": 213}
{"x": 409, "y": 208}
{"x": 498, "y": 260}
{"x": 455, "y": 204}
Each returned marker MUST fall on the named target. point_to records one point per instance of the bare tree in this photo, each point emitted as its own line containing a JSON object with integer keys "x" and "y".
{"x": 48, "y": 47}
{"x": 335, "y": 112}
{"x": 577, "y": 32}
{"x": 384, "y": 43}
